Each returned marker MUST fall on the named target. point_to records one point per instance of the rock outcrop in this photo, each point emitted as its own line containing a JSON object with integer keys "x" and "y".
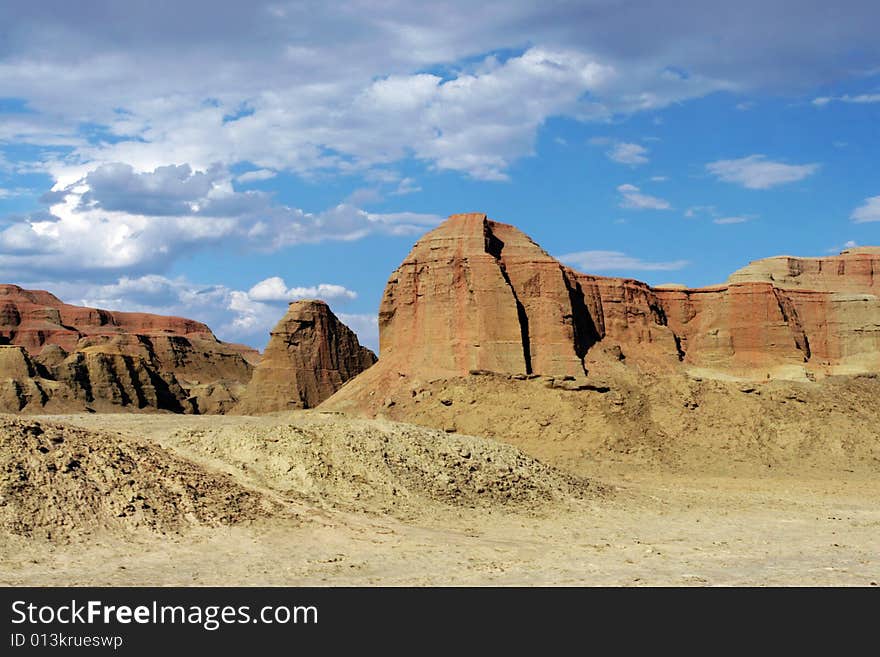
{"x": 478, "y": 295}
{"x": 60, "y": 357}
{"x": 310, "y": 355}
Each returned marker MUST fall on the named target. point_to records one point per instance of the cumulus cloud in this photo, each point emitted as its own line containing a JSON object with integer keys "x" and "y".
{"x": 167, "y": 190}
{"x": 633, "y": 199}
{"x": 117, "y": 220}
{"x": 589, "y": 261}
{"x": 757, "y": 172}
{"x": 275, "y": 289}
{"x": 867, "y": 212}
{"x": 628, "y": 153}
{"x": 304, "y": 88}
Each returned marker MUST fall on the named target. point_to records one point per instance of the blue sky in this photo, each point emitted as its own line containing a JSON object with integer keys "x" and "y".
{"x": 221, "y": 159}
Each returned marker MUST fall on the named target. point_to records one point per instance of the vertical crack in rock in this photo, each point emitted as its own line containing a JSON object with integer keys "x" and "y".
{"x": 659, "y": 313}
{"x": 790, "y": 315}
{"x": 583, "y": 327}
{"x": 678, "y": 348}
{"x": 494, "y": 246}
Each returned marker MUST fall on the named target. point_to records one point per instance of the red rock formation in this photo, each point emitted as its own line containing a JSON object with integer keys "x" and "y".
{"x": 310, "y": 355}
{"x": 475, "y": 294}
{"x": 478, "y": 294}
{"x": 87, "y": 356}
{"x": 33, "y": 318}
{"x": 855, "y": 271}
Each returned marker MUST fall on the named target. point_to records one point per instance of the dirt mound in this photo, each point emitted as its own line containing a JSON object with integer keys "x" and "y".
{"x": 379, "y": 465}
{"x": 674, "y": 422}
{"x": 65, "y": 483}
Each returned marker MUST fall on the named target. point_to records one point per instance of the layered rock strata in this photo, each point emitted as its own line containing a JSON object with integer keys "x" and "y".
{"x": 479, "y": 295}
{"x": 57, "y": 356}
{"x": 310, "y": 355}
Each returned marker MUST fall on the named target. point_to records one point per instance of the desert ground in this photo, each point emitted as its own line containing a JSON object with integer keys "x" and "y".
{"x": 317, "y": 498}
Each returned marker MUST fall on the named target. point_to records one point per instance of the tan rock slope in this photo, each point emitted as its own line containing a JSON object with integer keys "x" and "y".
{"x": 476, "y": 294}
{"x": 310, "y": 355}
{"x": 56, "y": 356}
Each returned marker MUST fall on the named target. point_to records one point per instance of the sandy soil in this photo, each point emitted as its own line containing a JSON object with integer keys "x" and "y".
{"x": 339, "y": 520}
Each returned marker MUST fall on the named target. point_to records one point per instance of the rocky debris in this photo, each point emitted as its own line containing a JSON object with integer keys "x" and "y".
{"x": 59, "y": 357}
{"x": 384, "y": 466}
{"x": 63, "y": 483}
{"x": 310, "y": 355}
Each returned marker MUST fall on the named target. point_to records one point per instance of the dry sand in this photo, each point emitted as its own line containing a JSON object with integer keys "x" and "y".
{"x": 331, "y": 500}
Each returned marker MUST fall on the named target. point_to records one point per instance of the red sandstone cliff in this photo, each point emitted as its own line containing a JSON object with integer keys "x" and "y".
{"x": 475, "y": 294}
{"x": 79, "y": 357}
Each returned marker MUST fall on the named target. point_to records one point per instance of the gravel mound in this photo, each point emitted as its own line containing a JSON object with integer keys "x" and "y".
{"x": 62, "y": 483}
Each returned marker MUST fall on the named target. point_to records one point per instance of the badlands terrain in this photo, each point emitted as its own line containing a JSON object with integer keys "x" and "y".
{"x": 524, "y": 424}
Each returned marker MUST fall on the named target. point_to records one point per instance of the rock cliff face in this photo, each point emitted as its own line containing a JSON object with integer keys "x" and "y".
{"x": 63, "y": 357}
{"x": 310, "y": 355}
{"x": 476, "y": 294}
{"x": 785, "y": 316}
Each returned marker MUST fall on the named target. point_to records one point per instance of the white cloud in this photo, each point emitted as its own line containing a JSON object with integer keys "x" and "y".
{"x": 115, "y": 220}
{"x": 275, "y": 289}
{"x": 633, "y": 199}
{"x": 406, "y": 186}
{"x": 867, "y": 212}
{"x": 256, "y": 176}
{"x": 589, "y": 261}
{"x": 757, "y": 172}
{"x": 304, "y": 88}
{"x": 849, "y": 244}
{"x": 477, "y": 122}
{"x": 859, "y": 99}
{"x": 628, "y": 153}
{"x": 739, "y": 219}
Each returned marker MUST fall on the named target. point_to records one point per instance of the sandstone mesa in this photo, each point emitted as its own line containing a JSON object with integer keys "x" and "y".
{"x": 480, "y": 295}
